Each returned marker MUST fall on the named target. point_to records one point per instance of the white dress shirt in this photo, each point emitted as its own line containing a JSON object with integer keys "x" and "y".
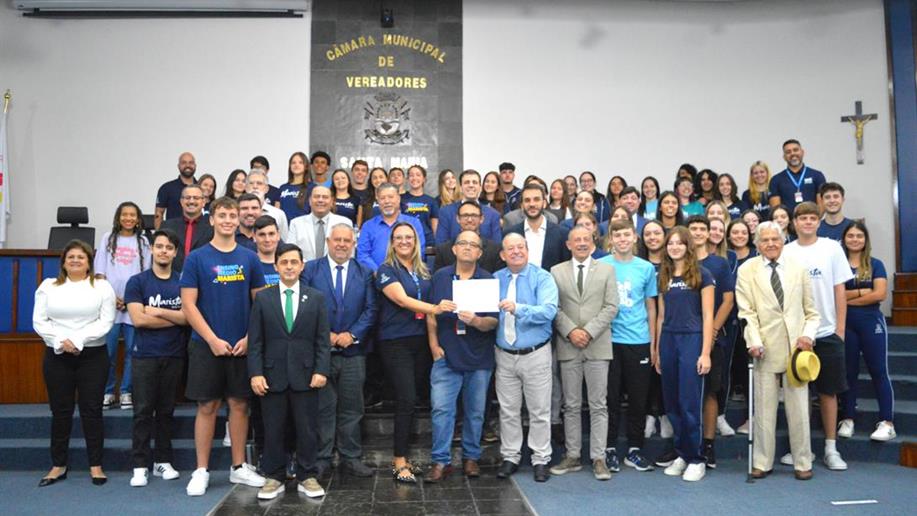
{"x": 334, "y": 273}
{"x": 283, "y": 297}
{"x": 74, "y": 310}
{"x": 585, "y": 265}
{"x": 280, "y": 217}
{"x": 535, "y": 240}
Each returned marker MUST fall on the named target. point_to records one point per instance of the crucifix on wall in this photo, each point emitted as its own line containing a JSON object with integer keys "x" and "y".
{"x": 859, "y": 120}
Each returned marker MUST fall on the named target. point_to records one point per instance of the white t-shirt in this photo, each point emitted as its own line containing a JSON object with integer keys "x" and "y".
{"x": 827, "y": 267}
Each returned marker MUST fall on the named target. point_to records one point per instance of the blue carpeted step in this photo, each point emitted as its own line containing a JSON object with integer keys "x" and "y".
{"x": 899, "y": 362}
{"x": 904, "y": 385}
{"x": 33, "y": 454}
{"x": 902, "y": 338}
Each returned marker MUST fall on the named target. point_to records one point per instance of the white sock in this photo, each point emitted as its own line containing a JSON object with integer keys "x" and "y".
{"x": 830, "y": 446}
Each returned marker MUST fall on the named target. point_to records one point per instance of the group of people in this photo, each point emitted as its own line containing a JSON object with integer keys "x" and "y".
{"x": 287, "y": 302}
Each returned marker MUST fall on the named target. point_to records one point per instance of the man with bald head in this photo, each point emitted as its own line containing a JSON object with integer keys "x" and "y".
{"x": 168, "y": 199}
{"x": 310, "y": 231}
{"x": 528, "y": 305}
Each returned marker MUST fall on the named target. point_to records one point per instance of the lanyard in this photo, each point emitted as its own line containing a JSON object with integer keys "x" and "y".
{"x": 460, "y": 328}
{"x": 802, "y": 177}
{"x": 416, "y": 284}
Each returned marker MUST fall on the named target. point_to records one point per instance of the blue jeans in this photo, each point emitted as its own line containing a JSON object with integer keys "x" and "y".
{"x": 111, "y": 342}
{"x": 445, "y": 384}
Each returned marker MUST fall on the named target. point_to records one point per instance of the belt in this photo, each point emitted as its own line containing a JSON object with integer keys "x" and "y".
{"x": 524, "y": 351}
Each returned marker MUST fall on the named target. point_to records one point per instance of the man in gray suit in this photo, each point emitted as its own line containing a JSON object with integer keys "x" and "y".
{"x": 588, "y": 302}
{"x": 289, "y": 351}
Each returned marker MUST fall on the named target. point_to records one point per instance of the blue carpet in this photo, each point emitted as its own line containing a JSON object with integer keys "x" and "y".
{"x": 724, "y": 491}
{"x": 20, "y": 494}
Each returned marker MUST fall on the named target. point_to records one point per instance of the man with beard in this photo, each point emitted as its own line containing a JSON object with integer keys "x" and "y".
{"x": 374, "y": 235}
{"x": 249, "y": 211}
{"x": 797, "y": 183}
{"x": 310, "y": 231}
{"x": 168, "y": 198}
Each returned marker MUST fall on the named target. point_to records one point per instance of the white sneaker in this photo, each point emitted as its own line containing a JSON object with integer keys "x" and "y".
{"x": 723, "y": 428}
{"x": 845, "y": 429}
{"x": 694, "y": 472}
{"x": 227, "y": 442}
{"x": 311, "y": 488}
{"x": 834, "y": 461}
{"x": 127, "y": 402}
{"x": 200, "y": 480}
{"x": 677, "y": 468}
{"x": 140, "y": 478}
{"x": 650, "y": 427}
{"x": 885, "y": 431}
{"x": 665, "y": 428}
{"x": 164, "y": 470}
{"x": 246, "y": 475}
{"x": 787, "y": 459}
{"x": 743, "y": 428}
{"x": 272, "y": 489}
{"x": 108, "y": 401}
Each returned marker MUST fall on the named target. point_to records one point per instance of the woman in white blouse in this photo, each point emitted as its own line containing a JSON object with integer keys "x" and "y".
{"x": 73, "y": 314}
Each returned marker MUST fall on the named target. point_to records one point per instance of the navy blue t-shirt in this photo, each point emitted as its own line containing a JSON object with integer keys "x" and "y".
{"x": 722, "y": 277}
{"x": 878, "y": 271}
{"x": 683, "y": 308}
{"x": 246, "y": 242}
{"x": 424, "y": 208}
{"x": 735, "y": 209}
{"x": 289, "y": 195}
{"x": 224, "y": 282}
{"x": 272, "y": 196}
{"x": 763, "y": 208}
{"x": 271, "y": 276}
{"x": 347, "y": 208}
{"x": 784, "y": 186}
{"x": 147, "y": 289}
{"x": 474, "y": 350}
{"x": 169, "y": 197}
{"x": 834, "y": 232}
{"x": 396, "y": 322}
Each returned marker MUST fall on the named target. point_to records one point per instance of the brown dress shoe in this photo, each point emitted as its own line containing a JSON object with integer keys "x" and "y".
{"x": 471, "y": 469}
{"x": 759, "y": 473}
{"x": 803, "y": 475}
{"x": 438, "y": 473}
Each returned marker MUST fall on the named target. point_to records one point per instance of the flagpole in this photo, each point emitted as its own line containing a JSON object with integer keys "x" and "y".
{"x": 6, "y": 101}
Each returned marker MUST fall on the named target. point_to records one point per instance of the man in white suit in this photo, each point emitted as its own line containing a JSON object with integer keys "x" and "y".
{"x": 310, "y": 231}
{"x": 588, "y": 302}
{"x": 775, "y": 299}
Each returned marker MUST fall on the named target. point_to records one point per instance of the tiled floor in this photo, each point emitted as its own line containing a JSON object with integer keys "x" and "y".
{"x": 382, "y": 495}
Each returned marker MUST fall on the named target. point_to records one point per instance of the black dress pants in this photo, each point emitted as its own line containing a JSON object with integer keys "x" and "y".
{"x": 72, "y": 379}
{"x": 155, "y": 384}
{"x": 405, "y": 361}
{"x": 275, "y": 409}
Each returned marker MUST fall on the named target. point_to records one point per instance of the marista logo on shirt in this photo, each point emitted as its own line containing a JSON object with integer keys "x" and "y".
{"x": 680, "y": 285}
{"x": 229, "y": 273}
{"x": 414, "y": 208}
{"x": 158, "y": 301}
{"x": 815, "y": 273}
{"x": 289, "y": 193}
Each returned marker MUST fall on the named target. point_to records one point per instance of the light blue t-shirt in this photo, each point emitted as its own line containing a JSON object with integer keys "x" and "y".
{"x": 636, "y": 283}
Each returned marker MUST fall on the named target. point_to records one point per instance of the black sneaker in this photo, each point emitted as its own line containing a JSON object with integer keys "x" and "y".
{"x": 611, "y": 460}
{"x": 666, "y": 459}
{"x": 709, "y": 454}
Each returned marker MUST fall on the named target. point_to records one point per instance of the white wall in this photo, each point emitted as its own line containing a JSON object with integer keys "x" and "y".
{"x": 636, "y": 88}
{"x": 102, "y": 108}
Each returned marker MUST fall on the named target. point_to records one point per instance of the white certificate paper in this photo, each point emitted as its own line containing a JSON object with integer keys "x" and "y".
{"x": 477, "y": 295}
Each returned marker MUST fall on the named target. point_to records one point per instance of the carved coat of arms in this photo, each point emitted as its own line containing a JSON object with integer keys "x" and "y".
{"x": 387, "y": 120}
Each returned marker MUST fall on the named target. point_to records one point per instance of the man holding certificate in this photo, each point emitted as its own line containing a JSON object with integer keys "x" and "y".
{"x": 527, "y": 308}
{"x": 463, "y": 356}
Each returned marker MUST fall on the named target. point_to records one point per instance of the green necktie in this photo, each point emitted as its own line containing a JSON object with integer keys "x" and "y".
{"x": 288, "y": 309}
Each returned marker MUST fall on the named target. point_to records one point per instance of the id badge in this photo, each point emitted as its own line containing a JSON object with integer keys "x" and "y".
{"x": 798, "y": 197}
{"x": 460, "y": 328}
{"x": 419, "y": 316}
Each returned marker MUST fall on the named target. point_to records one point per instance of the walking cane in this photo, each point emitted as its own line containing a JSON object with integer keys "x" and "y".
{"x": 751, "y": 416}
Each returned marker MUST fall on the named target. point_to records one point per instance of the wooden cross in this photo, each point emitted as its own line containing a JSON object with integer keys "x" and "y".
{"x": 859, "y": 120}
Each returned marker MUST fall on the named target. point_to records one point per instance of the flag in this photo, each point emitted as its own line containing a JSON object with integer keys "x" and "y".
{"x": 4, "y": 180}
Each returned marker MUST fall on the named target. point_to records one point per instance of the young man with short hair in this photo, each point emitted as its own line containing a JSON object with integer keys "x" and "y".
{"x": 511, "y": 191}
{"x": 633, "y": 343}
{"x": 723, "y": 301}
{"x": 218, "y": 283}
{"x": 828, "y": 270}
{"x": 835, "y": 223}
{"x": 267, "y": 238}
{"x": 359, "y": 180}
{"x": 153, "y": 300}
{"x": 320, "y": 162}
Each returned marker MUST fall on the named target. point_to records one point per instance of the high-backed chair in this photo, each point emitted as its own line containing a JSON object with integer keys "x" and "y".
{"x": 148, "y": 229}
{"x": 74, "y": 216}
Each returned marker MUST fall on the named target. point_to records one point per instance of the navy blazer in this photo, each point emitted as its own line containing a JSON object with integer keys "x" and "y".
{"x": 360, "y": 303}
{"x": 555, "y": 243}
{"x": 289, "y": 359}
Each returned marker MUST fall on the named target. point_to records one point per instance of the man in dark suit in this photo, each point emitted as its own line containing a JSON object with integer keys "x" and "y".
{"x": 348, "y": 287}
{"x": 546, "y": 241}
{"x": 469, "y": 216}
{"x": 288, "y": 348}
{"x": 193, "y": 229}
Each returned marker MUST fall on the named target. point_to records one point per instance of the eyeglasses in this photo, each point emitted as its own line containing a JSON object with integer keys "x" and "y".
{"x": 192, "y": 197}
{"x": 469, "y": 215}
{"x": 466, "y": 243}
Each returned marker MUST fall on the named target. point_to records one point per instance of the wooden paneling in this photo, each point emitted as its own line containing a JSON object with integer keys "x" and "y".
{"x": 906, "y": 281}
{"x": 21, "y": 379}
{"x": 909, "y": 455}
{"x": 904, "y": 316}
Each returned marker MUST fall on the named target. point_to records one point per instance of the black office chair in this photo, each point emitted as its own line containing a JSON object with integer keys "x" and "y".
{"x": 73, "y": 215}
{"x": 148, "y": 229}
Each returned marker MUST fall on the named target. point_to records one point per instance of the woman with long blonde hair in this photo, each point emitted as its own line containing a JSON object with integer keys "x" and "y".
{"x": 757, "y": 197}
